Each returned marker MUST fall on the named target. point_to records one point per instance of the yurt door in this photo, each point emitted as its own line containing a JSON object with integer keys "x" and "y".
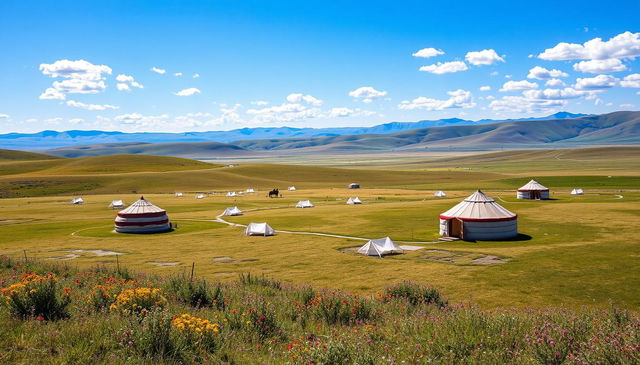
{"x": 456, "y": 228}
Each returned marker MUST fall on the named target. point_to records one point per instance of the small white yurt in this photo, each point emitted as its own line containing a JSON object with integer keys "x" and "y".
{"x": 231, "y": 211}
{"x": 354, "y": 200}
{"x": 179, "y": 195}
{"x": 77, "y": 201}
{"x": 248, "y": 191}
{"x": 478, "y": 217}
{"x": 291, "y": 188}
{"x": 379, "y": 247}
{"x": 116, "y": 204}
{"x": 200, "y": 196}
{"x": 354, "y": 186}
{"x": 440, "y": 194}
{"x": 231, "y": 193}
{"x": 142, "y": 217}
{"x": 533, "y": 190}
{"x": 259, "y": 229}
{"x": 304, "y": 204}
{"x": 577, "y": 192}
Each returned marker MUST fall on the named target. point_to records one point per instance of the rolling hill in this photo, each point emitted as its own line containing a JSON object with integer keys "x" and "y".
{"x": 12, "y": 155}
{"x": 188, "y": 149}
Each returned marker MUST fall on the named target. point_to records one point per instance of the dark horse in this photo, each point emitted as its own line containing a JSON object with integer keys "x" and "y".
{"x": 275, "y": 192}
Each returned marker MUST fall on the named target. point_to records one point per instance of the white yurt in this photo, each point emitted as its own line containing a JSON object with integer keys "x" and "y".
{"x": 259, "y": 229}
{"x": 533, "y": 190}
{"x": 440, "y": 194}
{"x": 76, "y": 201}
{"x": 231, "y": 211}
{"x": 200, "y": 196}
{"x": 577, "y": 192}
{"x": 478, "y": 217}
{"x": 354, "y": 200}
{"x": 231, "y": 193}
{"x": 179, "y": 195}
{"x": 354, "y": 186}
{"x": 116, "y": 204}
{"x": 304, "y": 204}
{"x": 250, "y": 190}
{"x": 142, "y": 217}
{"x": 379, "y": 247}
{"x": 291, "y": 188}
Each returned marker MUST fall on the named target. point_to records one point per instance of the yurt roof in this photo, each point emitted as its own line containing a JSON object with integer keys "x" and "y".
{"x": 141, "y": 207}
{"x": 533, "y": 185}
{"x": 478, "y": 207}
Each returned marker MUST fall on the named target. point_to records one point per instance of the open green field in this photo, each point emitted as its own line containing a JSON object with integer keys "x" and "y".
{"x": 573, "y": 250}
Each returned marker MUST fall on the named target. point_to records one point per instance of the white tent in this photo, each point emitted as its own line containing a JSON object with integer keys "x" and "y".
{"x": 259, "y": 229}
{"x": 292, "y": 188}
{"x": 116, "y": 204}
{"x": 533, "y": 190}
{"x": 440, "y": 194}
{"x": 76, "y": 201}
{"x": 231, "y": 193}
{"x": 379, "y": 247}
{"x": 577, "y": 192}
{"x": 478, "y": 217}
{"x": 200, "y": 196}
{"x": 178, "y": 194}
{"x": 250, "y": 190}
{"x": 232, "y": 211}
{"x": 354, "y": 200}
{"x": 304, "y": 204}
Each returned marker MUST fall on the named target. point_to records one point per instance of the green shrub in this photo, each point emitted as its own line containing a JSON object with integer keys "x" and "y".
{"x": 195, "y": 293}
{"x": 338, "y": 308}
{"x": 415, "y": 294}
{"x": 155, "y": 337}
{"x": 248, "y": 279}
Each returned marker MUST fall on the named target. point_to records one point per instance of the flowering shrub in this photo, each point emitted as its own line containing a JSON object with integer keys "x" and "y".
{"x": 415, "y": 294}
{"x": 196, "y": 293}
{"x": 197, "y": 332}
{"x": 37, "y": 296}
{"x": 337, "y": 308}
{"x": 138, "y": 300}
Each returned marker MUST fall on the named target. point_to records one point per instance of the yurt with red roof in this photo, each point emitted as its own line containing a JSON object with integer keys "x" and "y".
{"x": 142, "y": 217}
{"x": 533, "y": 190}
{"x": 479, "y": 217}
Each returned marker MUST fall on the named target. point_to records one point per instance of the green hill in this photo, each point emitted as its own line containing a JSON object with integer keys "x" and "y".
{"x": 184, "y": 149}
{"x": 12, "y": 155}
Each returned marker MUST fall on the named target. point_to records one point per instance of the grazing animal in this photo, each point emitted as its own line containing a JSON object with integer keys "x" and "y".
{"x": 275, "y": 192}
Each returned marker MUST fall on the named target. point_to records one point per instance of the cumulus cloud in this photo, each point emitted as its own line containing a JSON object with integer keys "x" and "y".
{"x": 428, "y": 52}
{"x": 554, "y": 94}
{"x": 485, "y": 88}
{"x": 177, "y": 74}
{"x": 79, "y": 86}
{"x": 141, "y": 120}
{"x": 77, "y": 104}
{"x": 458, "y": 99}
{"x": 188, "y": 92}
{"x": 627, "y": 106}
{"x": 4, "y": 116}
{"x": 125, "y": 82}
{"x": 632, "y": 80}
{"x": 158, "y": 70}
{"x": 518, "y": 85}
{"x": 542, "y": 73}
{"x": 624, "y": 45}
{"x": 595, "y": 83}
{"x": 483, "y": 58}
{"x": 79, "y": 69}
{"x": 196, "y": 76}
{"x": 521, "y": 104}
{"x": 302, "y": 98}
{"x": 600, "y": 66}
{"x": 340, "y": 112}
{"x": 367, "y": 94}
{"x": 288, "y": 112}
{"x": 554, "y": 83}
{"x": 445, "y": 67}
{"x": 52, "y": 94}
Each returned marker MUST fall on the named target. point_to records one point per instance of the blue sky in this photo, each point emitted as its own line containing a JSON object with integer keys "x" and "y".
{"x": 233, "y": 64}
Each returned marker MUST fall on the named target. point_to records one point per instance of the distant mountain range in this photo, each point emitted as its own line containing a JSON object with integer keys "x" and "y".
{"x": 52, "y": 139}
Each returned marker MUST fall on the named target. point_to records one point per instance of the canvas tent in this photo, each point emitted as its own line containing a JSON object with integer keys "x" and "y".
{"x": 354, "y": 186}
{"x": 379, "y": 247}
{"x": 231, "y": 211}
{"x": 354, "y": 200}
{"x": 250, "y": 190}
{"x": 178, "y": 194}
{"x": 142, "y": 217}
{"x": 76, "y": 201}
{"x": 304, "y": 204}
{"x": 259, "y": 229}
{"x": 478, "y": 217}
{"x": 577, "y": 192}
{"x": 116, "y": 204}
{"x": 440, "y": 194}
{"x": 533, "y": 190}
{"x": 200, "y": 196}
{"x": 292, "y": 188}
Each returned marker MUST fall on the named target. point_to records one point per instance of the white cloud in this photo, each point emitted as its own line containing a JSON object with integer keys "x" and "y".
{"x": 367, "y": 94}
{"x": 52, "y": 94}
{"x": 177, "y": 74}
{"x": 77, "y": 104}
{"x": 445, "y": 67}
{"x": 518, "y": 85}
{"x": 632, "y": 80}
{"x": 123, "y": 87}
{"x": 188, "y": 92}
{"x": 79, "y": 69}
{"x": 125, "y": 82}
{"x": 289, "y": 112}
{"x": 624, "y": 45}
{"x": 259, "y": 102}
{"x": 597, "y": 82}
{"x": 4, "y": 116}
{"x": 141, "y": 120}
{"x": 600, "y": 66}
{"x": 484, "y": 57}
{"x": 627, "y": 106}
{"x": 485, "y": 88}
{"x": 76, "y": 121}
{"x": 521, "y": 104}
{"x": 428, "y": 52}
{"x": 554, "y": 94}
{"x": 158, "y": 70}
{"x": 196, "y": 76}
{"x": 458, "y": 99}
{"x": 340, "y": 112}
{"x": 79, "y": 86}
{"x": 554, "y": 83}
{"x": 300, "y": 98}
{"x": 542, "y": 73}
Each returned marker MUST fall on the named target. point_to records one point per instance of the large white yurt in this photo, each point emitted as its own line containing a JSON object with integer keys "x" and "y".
{"x": 577, "y": 192}
{"x": 259, "y": 229}
{"x": 440, "y": 194}
{"x": 231, "y": 211}
{"x": 354, "y": 200}
{"x": 533, "y": 190}
{"x": 116, "y": 204}
{"x": 304, "y": 204}
{"x": 142, "y": 217}
{"x": 77, "y": 201}
{"x": 478, "y": 217}
{"x": 379, "y": 247}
